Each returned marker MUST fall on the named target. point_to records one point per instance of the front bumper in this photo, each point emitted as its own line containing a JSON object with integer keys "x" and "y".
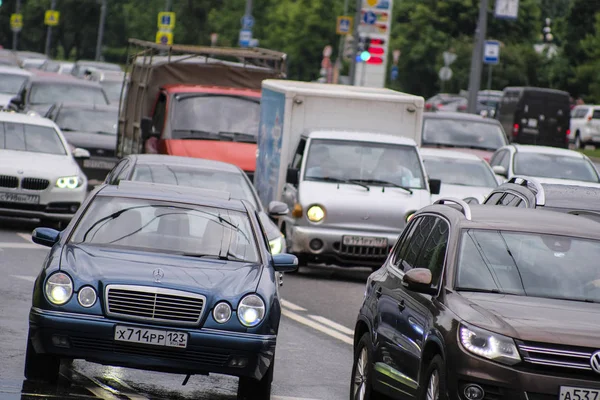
{"x": 208, "y": 351}
{"x": 501, "y": 382}
{"x": 54, "y": 203}
{"x": 333, "y": 250}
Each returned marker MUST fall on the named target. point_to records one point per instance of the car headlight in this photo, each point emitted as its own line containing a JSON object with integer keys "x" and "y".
{"x": 315, "y": 214}
{"x": 87, "y": 296}
{"x": 277, "y": 245}
{"x": 471, "y": 200}
{"x": 251, "y": 310}
{"x": 222, "y": 312}
{"x": 59, "y": 288}
{"x": 489, "y": 345}
{"x": 68, "y": 182}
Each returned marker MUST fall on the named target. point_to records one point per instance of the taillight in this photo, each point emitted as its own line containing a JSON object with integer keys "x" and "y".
{"x": 515, "y": 130}
{"x": 462, "y": 108}
{"x": 568, "y": 132}
{"x": 428, "y": 106}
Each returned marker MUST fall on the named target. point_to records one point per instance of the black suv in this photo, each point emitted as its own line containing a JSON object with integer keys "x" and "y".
{"x": 483, "y": 302}
{"x": 529, "y": 193}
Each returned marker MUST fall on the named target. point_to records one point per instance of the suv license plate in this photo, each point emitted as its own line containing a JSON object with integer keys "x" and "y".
{"x": 573, "y": 393}
{"x": 151, "y": 336}
{"x": 364, "y": 241}
{"x": 19, "y": 198}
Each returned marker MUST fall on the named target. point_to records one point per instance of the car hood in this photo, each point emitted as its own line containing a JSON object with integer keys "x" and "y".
{"x": 462, "y": 192}
{"x": 212, "y": 278}
{"x": 40, "y": 109}
{"x": 353, "y": 207}
{"x": 530, "y": 318}
{"x": 89, "y": 140}
{"x": 242, "y": 155}
{"x": 485, "y": 154}
{"x": 37, "y": 165}
{"x": 5, "y": 98}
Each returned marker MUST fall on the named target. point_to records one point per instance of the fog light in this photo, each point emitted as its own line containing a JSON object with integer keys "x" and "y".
{"x": 238, "y": 362}
{"x": 473, "y": 392}
{"x": 316, "y": 244}
{"x": 60, "y": 341}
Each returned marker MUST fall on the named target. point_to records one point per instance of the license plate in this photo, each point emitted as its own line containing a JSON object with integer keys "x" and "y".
{"x": 98, "y": 164}
{"x": 364, "y": 241}
{"x": 573, "y": 393}
{"x": 151, "y": 336}
{"x": 19, "y": 198}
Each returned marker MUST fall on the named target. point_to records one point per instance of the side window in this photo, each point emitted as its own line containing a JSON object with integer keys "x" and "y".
{"x": 112, "y": 176}
{"x": 297, "y": 160}
{"x": 419, "y": 237}
{"x": 494, "y": 198}
{"x": 263, "y": 230}
{"x": 498, "y": 158}
{"x": 596, "y": 114}
{"x": 505, "y": 161}
{"x": 160, "y": 111}
{"x": 402, "y": 244}
{"x": 433, "y": 253}
{"x": 508, "y": 199}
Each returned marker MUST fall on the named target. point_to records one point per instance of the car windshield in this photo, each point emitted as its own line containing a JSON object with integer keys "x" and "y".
{"x": 113, "y": 90}
{"x": 529, "y": 264}
{"x": 51, "y": 93}
{"x": 231, "y": 182}
{"x": 198, "y": 116}
{"x": 167, "y": 227}
{"x": 33, "y": 138}
{"x": 11, "y": 83}
{"x": 364, "y": 162}
{"x": 455, "y": 171}
{"x": 82, "y": 120}
{"x": 463, "y": 133}
{"x": 554, "y": 166}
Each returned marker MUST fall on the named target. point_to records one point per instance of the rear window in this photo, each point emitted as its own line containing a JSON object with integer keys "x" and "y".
{"x": 51, "y": 93}
{"x": 463, "y": 133}
{"x": 596, "y": 114}
{"x": 32, "y": 138}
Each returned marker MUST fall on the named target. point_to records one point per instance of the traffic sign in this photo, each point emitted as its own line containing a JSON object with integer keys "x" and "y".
{"x": 16, "y": 22}
{"x": 247, "y": 22}
{"x": 245, "y": 37}
{"x": 507, "y": 9}
{"x": 253, "y": 43}
{"x": 164, "y": 37}
{"x": 394, "y": 73}
{"x": 369, "y": 18}
{"x": 344, "y": 25}
{"x": 51, "y": 17}
{"x": 166, "y": 21}
{"x": 445, "y": 74}
{"x": 491, "y": 52}
{"x": 449, "y": 58}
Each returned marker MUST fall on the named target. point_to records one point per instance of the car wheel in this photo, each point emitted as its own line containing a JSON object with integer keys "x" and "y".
{"x": 252, "y": 389}
{"x": 578, "y": 144}
{"x": 40, "y": 367}
{"x": 361, "y": 385}
{"x": 433, "y": 381}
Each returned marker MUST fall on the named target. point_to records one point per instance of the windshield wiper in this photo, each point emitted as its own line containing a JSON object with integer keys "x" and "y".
{"x": 478, "y": 290}
{"x": 337, "y": 180}
{"x": 105, "y": 132}
{"x": 383, "y": 183}
{"x": 239, "y": 136}
{"x": 196, "y": 134}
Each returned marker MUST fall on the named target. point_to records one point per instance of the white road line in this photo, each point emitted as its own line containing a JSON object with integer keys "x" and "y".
{"x": 321, "y": 328}
{"x": 15, "y": 245}
{"x": 25, "y": 278}
{"x": 130, "y": 391}
{"x": 291, "y": 306}
{"x": 333, "y": 324}
{"x": 25, "y": 236}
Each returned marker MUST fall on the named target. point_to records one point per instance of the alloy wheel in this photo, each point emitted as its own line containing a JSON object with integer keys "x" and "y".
{"x": 360, "y": 375}
{"x": 433, "y": 388}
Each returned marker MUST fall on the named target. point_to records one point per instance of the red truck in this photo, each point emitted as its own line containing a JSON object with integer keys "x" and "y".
{"x": 195, "y": 101}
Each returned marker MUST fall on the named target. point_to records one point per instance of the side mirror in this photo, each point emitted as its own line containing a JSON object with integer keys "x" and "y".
{"x": 81, "y": 153}
{"x": 292, "y": 176}
{"x": 500, "y": 179}
{"x": 45, "y": 236}
{"x": 435, "y": 185}
{"x": 147, "y": 128}
{"x": 278, "y": 209}
{"x": 16, "y": 102}
{"x": 419, "y": 280}
{"x": 284, "y": 262}
{"x": 500, "y": 170}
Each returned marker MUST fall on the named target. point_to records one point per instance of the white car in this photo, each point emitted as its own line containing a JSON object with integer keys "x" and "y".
{"x": 546, "y": 164}
{"x": 585, "y": 126}
{"x": 463, "y": 175}
{"x": 39, "y": 176}
{"x": 11, "y": 80}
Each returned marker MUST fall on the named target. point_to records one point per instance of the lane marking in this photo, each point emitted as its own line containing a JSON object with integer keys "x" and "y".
{"x": 315, "y": 325}
{"x": 103, "y": 391}
{"x": 292, "y": 306}
{"x": 25, "y": 278}
{"x": 15, "y": 245}
{"x": 131, "y": 393}
{"x": 334, "y": 325}
{"x": 25, "y": 236}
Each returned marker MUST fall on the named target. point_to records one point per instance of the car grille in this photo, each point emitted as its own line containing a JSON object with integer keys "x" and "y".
{"x": 146, "y": 303}
{"x": 9, "y": 181}
{"x": 35, "y": 183}
{"x": 556, "y": 357}
{"x": 364, "y": 252}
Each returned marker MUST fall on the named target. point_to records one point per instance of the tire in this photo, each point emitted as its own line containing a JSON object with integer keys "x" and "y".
{"x": 362, "y": 380}
{"x": 578, "y": 144}
{"x": 252, "y": 389}
{"x": 40, "y": 367}
{"x": 436, "y": 370}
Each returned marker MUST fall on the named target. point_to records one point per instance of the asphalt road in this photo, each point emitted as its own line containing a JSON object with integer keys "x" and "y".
{"x": 314, "y": 351}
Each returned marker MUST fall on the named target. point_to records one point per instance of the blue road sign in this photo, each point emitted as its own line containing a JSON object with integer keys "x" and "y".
{"x": 394, "y": 73}
{"x": 344, "y": 25}
{"x": 247, "y": 22}
{"x": 369, "y": 18}
{"x": 491, "y": 52}
{"x": 245, "y": 37}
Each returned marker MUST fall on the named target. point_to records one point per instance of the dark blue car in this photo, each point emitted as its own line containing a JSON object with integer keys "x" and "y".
{"x": 163, "y": 278}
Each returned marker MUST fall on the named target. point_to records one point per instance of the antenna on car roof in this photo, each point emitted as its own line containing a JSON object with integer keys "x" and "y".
{"x": 540, "y": 194}
{"x": 466, "y": 210}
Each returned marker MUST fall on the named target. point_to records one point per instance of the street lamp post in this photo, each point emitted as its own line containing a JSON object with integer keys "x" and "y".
{"x": 101, "y": 30}
{"x": 477, "y": 58}
{"x": 49, "y": 31}
{"x": 352, "y": 71}
{"x": 15, "y": 33}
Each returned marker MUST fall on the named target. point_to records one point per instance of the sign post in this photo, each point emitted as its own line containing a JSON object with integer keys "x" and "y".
{"x": 245, "y": 39}
{"x": 16, "y": 22}
{"x": 491, "y": 57}
{"x": 506, "y": 9}
{"x": 51, "y": 18}
{"x": 165, "y": 24}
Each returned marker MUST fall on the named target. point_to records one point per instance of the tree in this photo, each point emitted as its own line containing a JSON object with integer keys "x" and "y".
{"x": 586, "y": 74}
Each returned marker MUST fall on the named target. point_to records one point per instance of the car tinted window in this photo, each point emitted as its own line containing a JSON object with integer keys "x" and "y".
{"x": 434, "y": 251}
{"x": 494, "y": 198}
{"x": 463, "y": 133}
{"x": 419, "y": 237}
{"x": 507, "y": 199}
{"x": 231, "y": 182}
{"x": 33, "y": 138}
{"x": 167, "y": 227}
{"x": 596, "y": 114}
{"x": 401, "y": 248}
{"x": 52, "y": 93}
{"x": 554, "y": 166}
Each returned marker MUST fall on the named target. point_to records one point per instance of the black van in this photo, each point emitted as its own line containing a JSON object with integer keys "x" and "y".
{"x": 537, "y": 116}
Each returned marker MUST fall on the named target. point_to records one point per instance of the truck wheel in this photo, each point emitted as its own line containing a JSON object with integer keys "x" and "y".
{"x": 252, "y": 389}
{"x": 40, "y": 367}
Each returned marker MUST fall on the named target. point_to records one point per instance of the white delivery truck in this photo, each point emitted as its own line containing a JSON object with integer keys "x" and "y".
{"x": 345, "y": 159}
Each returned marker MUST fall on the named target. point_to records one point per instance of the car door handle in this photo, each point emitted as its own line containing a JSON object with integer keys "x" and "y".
{"x": 401, "y": 305}
{"x": 378, "y": 292}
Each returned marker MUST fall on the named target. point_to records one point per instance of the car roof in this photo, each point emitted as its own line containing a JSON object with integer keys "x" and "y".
{"x": 99, "y": 64}
{"x": 431, "y": 152}
{"x": 184, "y": 161}
{"x": 21, "y": 118}
{"x": 492, "y": 217}
{"x": 53, "y": 77}
{"x": 32, "y": 54}
{"x": 173, "y": 193}
{"x": 572, "y": 197}
{"x": 359, "y": 136}
{"x": 7, "y": 69}
{"x": 528, "y": 148}
{"x": 459, "y": 116}
{"x": 532, "y": 88}
{"x": 85, "y": 106}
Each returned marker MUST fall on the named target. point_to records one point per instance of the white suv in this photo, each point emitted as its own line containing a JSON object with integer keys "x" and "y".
{"x": 585, "y": 126}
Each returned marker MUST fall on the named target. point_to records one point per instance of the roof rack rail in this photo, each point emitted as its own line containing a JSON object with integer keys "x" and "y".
{"x": 223, "y": 195}
{"x": 466, "y": 210}
{"x": 540, "y": 194}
